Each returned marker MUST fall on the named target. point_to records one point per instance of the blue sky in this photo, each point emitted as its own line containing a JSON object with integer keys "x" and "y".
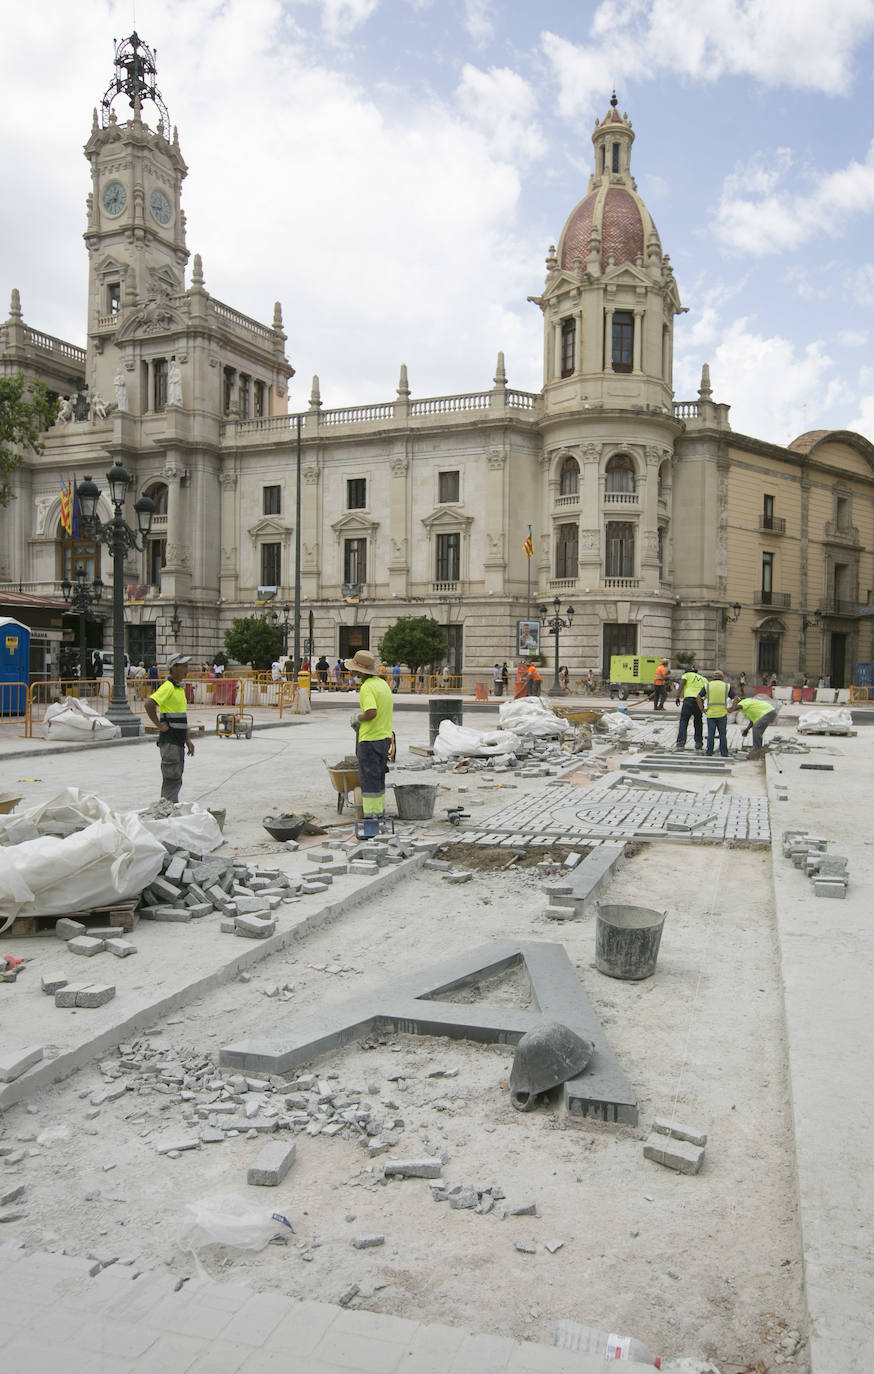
{"x": 393, "y": 171}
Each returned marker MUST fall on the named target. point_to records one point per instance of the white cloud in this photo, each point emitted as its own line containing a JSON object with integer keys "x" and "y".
{"x": 853, "y": 338}
{"x": 800, "y": 43}
{"x": 775, "y": 220}
{"x": 503, "y": 106}
{"x": 776, "y": 390}
{"x": 479, "y": 20}
{"x": 861, "y": 285}
{"x": 342, "y": 17}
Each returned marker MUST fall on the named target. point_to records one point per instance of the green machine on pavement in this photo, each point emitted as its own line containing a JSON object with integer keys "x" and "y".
{"x": 631, "y": 674}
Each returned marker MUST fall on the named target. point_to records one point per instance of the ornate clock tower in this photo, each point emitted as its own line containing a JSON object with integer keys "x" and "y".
{"x": 136, "y": 225}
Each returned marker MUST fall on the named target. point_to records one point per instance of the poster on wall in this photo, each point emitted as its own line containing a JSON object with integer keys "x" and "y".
{"x": 527, "y": 638}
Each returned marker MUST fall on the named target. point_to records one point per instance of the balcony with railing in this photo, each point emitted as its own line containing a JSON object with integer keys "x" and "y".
{"x": 839, "y": 605}
{"x": 772, "y": 524}
{"x": 445, "y": 588}
{"x": 841, "y": 534}
{"x": 621, "y": 584}
{"x": 570, "y": 499}
{"x": 621, "y": 498}
{"x": 59, "y": 348}
{"x": 563, "y": 584}
{"x": 159, "y": 526}
{"x": 763, "y": 596}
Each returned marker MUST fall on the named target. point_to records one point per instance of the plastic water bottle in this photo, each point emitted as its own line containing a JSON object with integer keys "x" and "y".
{"x": 589, "y": 1341}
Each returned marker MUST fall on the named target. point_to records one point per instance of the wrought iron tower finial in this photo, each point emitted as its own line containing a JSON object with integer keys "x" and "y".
{"x": 136, "y": 78}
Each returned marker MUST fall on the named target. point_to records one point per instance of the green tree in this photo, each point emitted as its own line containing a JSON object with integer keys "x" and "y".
{"x": 414, "y": 640}
{"x": 26, "y": 409}
{"x": 252, "y": 640}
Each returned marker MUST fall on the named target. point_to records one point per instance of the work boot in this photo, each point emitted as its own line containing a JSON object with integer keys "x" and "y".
{"x": 370, "y": 827}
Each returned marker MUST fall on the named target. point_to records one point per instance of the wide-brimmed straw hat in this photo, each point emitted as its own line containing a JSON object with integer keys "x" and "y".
{"x": 363, "y": 662}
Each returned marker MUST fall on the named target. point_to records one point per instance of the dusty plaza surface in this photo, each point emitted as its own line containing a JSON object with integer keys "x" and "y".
{"x": 570, "y": 1220}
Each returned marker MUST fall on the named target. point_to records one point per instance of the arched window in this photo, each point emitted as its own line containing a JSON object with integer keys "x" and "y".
{"x": 619, "y": 475}
{"x": 158, "y": 494}
{"x": 156, "y": 545}
{"x": 567, "y": 550}
{"x": 76, "y": 552}
{"x": 569, "y": 481}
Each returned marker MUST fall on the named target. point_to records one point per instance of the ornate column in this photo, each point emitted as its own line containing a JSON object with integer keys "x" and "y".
{"x": 311, "y": 528}
{"x": 649, "y": 528}
{"x": 497, "y": 523}
{"x": 590, "y": 552}
{"x": 398, "y": 523}
{"x": 229, "y": 574}
{"x": 176, "y": 572}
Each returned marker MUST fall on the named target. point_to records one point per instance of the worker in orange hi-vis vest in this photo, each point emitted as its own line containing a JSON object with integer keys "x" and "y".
{"x": 661, "y": 679}
{"x": 534, "y": 680}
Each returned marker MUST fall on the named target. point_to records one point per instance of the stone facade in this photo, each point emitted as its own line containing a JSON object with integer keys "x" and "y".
{"x": 650, "y": 516}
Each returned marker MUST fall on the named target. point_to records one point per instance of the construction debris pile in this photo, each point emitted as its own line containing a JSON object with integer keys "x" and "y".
{"x": 828, "y": 871}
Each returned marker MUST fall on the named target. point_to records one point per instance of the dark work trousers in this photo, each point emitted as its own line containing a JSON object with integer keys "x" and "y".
{"x": 172, "y": 767}
{"x": 717, "y": 725}
{"x": 760, "y": 726}
{"x": 689, "y": 710}
{"x": 659, "y": 692}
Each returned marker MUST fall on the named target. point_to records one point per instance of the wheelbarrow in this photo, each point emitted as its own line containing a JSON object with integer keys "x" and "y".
{"x": 344, "y": 776}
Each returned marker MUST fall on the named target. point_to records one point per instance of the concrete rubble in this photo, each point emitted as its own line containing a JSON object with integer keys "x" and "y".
{"x": 828, "y": 872}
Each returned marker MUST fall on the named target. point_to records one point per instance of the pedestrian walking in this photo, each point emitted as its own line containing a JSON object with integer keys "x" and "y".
{"x": 395, "y": 677}
{"x": 167, "y": 708}
{"x": 374, "y": 729}
{"x": 505, "y": 677}
{"x": 691, "y": 689}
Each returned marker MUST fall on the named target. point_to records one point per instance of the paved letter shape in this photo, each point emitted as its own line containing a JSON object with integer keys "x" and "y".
{"x": 409, "y": 1005}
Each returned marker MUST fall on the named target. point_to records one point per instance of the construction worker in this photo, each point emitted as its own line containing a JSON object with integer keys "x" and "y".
{"x": 760, "y": 713}
{"x": 534, "y": 680}
{"x": 719, "y": 694}
{"x": 660, "y": 685}
{"x": 167, "y": 708}
{"x": 373, "y": 726}
{"x": 691, "y": 689}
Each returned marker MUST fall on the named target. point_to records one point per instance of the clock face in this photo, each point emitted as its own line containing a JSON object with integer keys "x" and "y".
{"x": 114, "y": 198}
{"x": 160, "y": 207}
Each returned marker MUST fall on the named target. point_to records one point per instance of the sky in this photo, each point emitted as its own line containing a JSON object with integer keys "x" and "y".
{"x": 394, "y": 171}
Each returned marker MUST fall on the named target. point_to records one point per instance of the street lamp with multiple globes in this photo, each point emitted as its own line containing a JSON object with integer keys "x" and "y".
{"x": 118, "y": 537}
{"x": 556, "y": 623}
{"x": 284, "y": 624}
{"x": 81, "y": 598}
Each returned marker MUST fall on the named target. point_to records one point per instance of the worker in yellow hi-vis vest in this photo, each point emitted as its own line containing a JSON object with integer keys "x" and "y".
{"x": 719, "y": 694}
{"x": 760, "y": 713}
{"x": 691, "y": 689}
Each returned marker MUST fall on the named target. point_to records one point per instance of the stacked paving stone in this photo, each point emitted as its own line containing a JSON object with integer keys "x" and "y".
{"x": 193, "y": 885}
{"x": 829, "y": 872}
{"x": 612, "y": 808}
{"x": 677, "y": 1147}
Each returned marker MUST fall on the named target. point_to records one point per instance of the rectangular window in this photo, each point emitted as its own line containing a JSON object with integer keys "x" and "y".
{"x": 620, "y": 549}
{"x": 767, "y": 577}
{"x": 767, "y": 512}
{"x": 272, "y": 500}
{"x": 355, "y": 561}
{"x": 842, "y": 513}
{"x": 113, "y": 297}
{"x": 258, "y": 406}
{"x": 615, "y": 157}
{"x": 159, "y": 375}
{"x": 768, "y": 655}
{"x": 567, "y": 550}
{"x": 156, "y": 555}
{"x": 271, "y": 565}
{"x": 244, "y": 396}
{"x": 568, "y": 347}
{"x": 448, "y": 487}
{"x": 356, "y": 493}
{"x": 448, "y": 558}
{"x": 229, "y": 378}
{"x": 623, "y": 340}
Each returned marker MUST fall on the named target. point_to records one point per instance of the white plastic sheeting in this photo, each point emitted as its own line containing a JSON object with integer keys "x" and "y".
{"x": 229, "y": 1219}
{"x": 73, "y": 719}
{"x": 531, "y": 718}
{"x": 190, "y": 827}
{"x": 457, "y": 741}
{"x": 817, "y": 721}
{"x": 109, "y": 859}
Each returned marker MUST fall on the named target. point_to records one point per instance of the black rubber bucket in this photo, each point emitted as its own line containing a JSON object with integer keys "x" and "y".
{"x": 444, "y": 708}
{"x": 627, "y": 940}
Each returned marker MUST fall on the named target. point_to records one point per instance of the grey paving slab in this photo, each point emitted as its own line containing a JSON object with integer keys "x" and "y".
{"x": 411, "y": 1005}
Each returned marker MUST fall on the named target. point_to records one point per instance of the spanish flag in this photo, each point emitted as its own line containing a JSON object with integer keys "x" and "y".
{"x": 67, "y": 508}
{"x": 528, "y": 546}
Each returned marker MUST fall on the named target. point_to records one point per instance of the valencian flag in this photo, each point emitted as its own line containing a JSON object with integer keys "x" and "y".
{"x": 528, "y": 546}
{"x": 67, "y": 508}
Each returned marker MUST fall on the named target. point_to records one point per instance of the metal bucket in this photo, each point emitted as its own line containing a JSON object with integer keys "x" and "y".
{"x": 627, "y": 940}
{"x": 415, "y": 800}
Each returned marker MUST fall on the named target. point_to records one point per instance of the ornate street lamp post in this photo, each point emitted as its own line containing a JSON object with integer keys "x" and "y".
{"x": 81, "y": 598}
{"x": 556, "y": 623}
{"x": 118, "y": 537}
{"x": 284, "y": 624}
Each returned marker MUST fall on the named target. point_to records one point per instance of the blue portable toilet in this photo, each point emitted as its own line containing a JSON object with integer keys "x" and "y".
{"x": 14, "y": 666}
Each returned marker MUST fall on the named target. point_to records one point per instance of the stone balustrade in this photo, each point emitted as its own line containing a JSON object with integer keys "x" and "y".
{"x": 47, "y": 343}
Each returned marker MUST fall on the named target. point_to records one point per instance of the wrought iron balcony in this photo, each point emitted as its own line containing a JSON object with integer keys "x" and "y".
{"x": 765, "y": 597}
{"x": 772, "y": 524}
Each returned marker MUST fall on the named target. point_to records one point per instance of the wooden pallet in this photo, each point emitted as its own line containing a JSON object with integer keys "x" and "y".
{"x": 123, "y": 916}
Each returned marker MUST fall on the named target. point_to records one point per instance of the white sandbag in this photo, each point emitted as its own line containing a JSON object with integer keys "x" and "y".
{"x": 190, "y": 827}
{"x": 838, "y": 719}
{"x": 458, "y": 741}
{"x": 616, "y": 724}
{"x": 112, "y": 859}
{"x": 531, "y": 718}
{"x": 73, "y": 719}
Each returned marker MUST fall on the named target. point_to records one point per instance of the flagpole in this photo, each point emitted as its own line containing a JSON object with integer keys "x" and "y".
{"x": 528, "y": 561}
